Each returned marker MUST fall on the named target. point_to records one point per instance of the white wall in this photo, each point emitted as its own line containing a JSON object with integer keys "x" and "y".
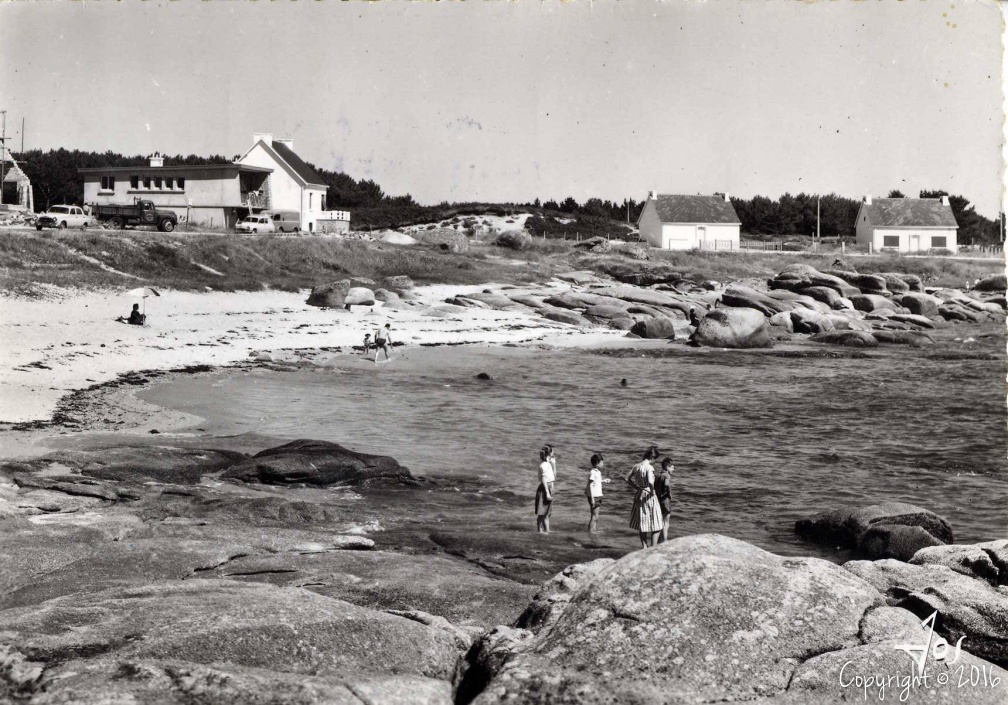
{"x": 285, "y": 190}
{"x": 863, "y": 231}
{"x": 914, "y": 239}
{"x": 650, "y": 225}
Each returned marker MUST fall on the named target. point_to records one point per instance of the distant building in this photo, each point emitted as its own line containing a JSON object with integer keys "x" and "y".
{"x": 15, "y": 189}
{"x": 679, "y": 222}
{"x": 214, "y": 195}
{"x": 293, "y": 185}
{"x": 907, "y": 224}
{"x": 269, "y": 176}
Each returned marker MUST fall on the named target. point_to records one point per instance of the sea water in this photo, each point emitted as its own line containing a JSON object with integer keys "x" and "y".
{"x": 759, "y": 440}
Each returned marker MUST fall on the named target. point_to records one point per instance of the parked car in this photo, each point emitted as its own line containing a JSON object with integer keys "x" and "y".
{"x": 256, "y": 224}
{"x": 63, "y": 217}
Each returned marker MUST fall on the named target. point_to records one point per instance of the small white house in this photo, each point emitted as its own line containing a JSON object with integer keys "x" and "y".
{"x": 293, "y": 185}
{"x": 678, "y": 222}
{"x": 907, "y": 224}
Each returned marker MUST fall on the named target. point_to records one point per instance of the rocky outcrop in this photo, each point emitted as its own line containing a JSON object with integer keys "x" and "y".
{"x": 806, "y": 321}
{"x": 444, "y": 239}
{"x": 920, "y": 304}
{"x": 843, "y": 528}
{"x": 654, "y": 327}
{"x": 872, "y": 302}
{"x": 894, "y": 541}
{"x": 733, "y": 328}
{"x": 995, "y": 283}
{"x": 981, "y": 561}
{"x": 847, "y": 338}
{"x": 359, "y": 296}
{"x": 967, "y": 607}
{"x": 744, "y": 297}
{"x": 678, "y": 622}
{"x": 308, "y": 462}
{"x": 224, "y": 641}
{"x": 333, "y": 295}
{"x": 866, "y": 283}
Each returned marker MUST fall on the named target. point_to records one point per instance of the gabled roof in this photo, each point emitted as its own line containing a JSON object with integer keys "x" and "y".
{"x": 909, "y": 213}
{"x": 297, "y": 164}
{"x": 675, "y": 208}
{"x": 174, "y": 169}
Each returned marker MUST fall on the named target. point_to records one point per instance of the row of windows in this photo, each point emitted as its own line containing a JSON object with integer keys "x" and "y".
{"x": 157, "y": 183}
{"x": 937, "y": 241}
{"x": 147, "y": 183}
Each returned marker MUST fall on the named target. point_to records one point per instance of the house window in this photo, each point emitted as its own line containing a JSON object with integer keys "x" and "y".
{"x": 108, "y": 183}
{"x": 938, "y": 241}
{"x": 134, "y": 182}
{"x": 169, "y": 183}
{"x": 181, "y": 183}
{"x": 157, "y": 183}
{"x": 890, "y": 241}
{"x": 310, "y": 200}
{"x": 147, "y": 182}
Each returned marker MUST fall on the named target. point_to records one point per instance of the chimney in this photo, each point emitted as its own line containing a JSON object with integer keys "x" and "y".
{"x": 266, "y": 137}
{"x": 287, "y": 142}
{"x": 653, "y": 195}
{"x": 945, "y": 200}
{"x": 156, "y": 159}
{"x": 867, "y": 199}
{"x": 727, "y": 198}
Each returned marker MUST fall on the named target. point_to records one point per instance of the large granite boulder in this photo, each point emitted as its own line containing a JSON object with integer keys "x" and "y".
{"x": 798, "y": 277}
{"x": 740, "y": 296}
{"x": 830, "y": 297}
{"x": 648, "y": 297}
{"x": 654, "y": 327}
{"x": 359, "y": 296}
{"x": 224, "y": 641}
{"x": 733, "y": 328}
{"x": 920, "y": 304}
{"x": 399, "y": 283}
{"x": 334, "y": 294}
{"x": 966, "y": 607}
{"x": 805, "y": 321}
{"x": 872, "y": 302}
{"x": 697, "y": 619}
{"x": 995, "y": 283}
{"x": 982, "y": 561}
{"x": 446, "y": 240}
{"x": 895, "y": 282}
{"x": 561, "y": 315}
{"x": 309, "y": 462}
{"x": 843, "y": 528}
{"x": 846, "y": 338}
{"x": 894, "y": 541}
{"x": 866, "y": 283}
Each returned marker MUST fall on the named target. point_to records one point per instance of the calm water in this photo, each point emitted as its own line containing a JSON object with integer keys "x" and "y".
{"x": 758, "y": 440}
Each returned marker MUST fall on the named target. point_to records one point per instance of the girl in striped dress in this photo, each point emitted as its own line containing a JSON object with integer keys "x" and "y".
{"x": 646, "y": 515}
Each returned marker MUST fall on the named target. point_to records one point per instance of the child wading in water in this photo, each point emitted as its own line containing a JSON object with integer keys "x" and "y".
{"x": 663, "y": 491}
{"x": 544, "y": 493}
{"x": 593, "y": 490}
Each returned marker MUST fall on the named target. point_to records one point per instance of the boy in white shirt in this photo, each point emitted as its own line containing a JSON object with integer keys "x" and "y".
{"x": 593, "y": 491}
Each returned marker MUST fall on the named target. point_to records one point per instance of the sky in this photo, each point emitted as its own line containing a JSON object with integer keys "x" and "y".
{"x": 509, "y": 101}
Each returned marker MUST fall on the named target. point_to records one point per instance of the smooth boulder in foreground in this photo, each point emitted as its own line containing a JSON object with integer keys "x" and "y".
{"x": 702, "y": 618}
{"x": 733, "y": 328}
{"x": 308, "y": 462}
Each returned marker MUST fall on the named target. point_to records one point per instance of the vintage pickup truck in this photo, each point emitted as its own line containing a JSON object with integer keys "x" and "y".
{"x": 141, "y": 212}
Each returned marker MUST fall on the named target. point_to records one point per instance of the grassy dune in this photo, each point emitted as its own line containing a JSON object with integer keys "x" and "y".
{"x": 110, "y": 260}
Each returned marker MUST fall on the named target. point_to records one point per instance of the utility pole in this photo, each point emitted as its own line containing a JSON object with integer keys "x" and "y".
{"x": 3, "y": 152}
{"x": 818, "y": 233}
{"x": 22, "y": 137}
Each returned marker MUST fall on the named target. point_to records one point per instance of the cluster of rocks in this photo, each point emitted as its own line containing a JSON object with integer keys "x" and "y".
{"x": 712, "y": 619}
{"x": 655, "y": 301}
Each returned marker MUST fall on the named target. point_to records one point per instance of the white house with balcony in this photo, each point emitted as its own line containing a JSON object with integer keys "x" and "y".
{"x": 292, "y": 184}
{"x": 907, "y": 224}
{"x": 682, "y": 222}
{"x": 207, "y": 195}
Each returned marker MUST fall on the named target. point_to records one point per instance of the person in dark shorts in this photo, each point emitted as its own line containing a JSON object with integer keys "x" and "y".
{"x": 593, "y": 490}
{"x": 663, "y": 491}
{"x": 367, "y": 343}
{"x": 383, "y": 341}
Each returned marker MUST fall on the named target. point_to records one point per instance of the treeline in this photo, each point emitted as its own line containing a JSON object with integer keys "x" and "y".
{"x": 55, "y": 179}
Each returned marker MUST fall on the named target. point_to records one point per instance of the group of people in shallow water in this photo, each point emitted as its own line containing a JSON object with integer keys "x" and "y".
{"x": 652, "y": 503}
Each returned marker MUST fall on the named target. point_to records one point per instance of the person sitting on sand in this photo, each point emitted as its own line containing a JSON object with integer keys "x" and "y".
{"x": 646, "y": 515}
{"x": 135, "y": 318}
{"x": 383, "y": 341}
{"x": 663, "y": 491}
{"x": 594, "y": 491}
{"x": 544, "y": 492}
{"x": 367, "y": 343}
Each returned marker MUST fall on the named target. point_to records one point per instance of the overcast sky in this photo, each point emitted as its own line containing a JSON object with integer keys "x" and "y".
{"x": 508, "y": 101}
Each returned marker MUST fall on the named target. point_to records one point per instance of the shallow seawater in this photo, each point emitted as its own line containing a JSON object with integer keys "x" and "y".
{"x": 759, "y": 440}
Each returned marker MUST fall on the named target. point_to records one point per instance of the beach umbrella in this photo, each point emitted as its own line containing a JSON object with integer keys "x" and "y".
{"x": 143, "y": 292}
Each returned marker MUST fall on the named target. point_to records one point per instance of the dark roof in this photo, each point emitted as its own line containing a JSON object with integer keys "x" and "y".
{"x": 297, "y": 164}
{"x": 695, "y": 209}
{"x": 174, "y": 169}
{"x": 909, "y": 213}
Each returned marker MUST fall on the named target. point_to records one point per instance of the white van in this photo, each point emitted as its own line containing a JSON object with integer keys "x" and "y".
{"x": 286, "y": 221}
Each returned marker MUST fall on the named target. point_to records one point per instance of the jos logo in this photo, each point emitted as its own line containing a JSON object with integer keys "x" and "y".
{"x": 936, "y": 645}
